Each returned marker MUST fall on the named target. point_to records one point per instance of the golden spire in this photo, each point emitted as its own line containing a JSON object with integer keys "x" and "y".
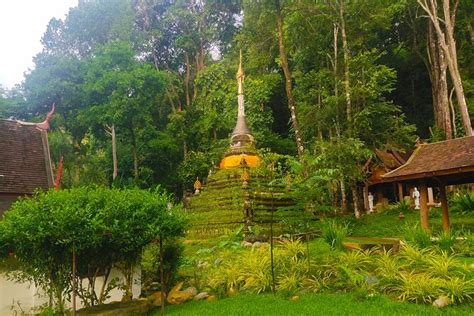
{"x": 240, "y": 76}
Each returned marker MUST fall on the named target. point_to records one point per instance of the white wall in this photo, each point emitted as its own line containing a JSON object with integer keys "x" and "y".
{"x": 18, "y": 297}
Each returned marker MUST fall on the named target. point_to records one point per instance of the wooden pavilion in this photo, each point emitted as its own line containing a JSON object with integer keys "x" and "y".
{"x": 437, "y": 164}
{"x": 383, "y": 163}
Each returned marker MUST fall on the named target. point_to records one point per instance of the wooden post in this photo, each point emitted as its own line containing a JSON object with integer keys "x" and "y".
{"x": 400, "y": 192}
{"x": 424, "y": 206}
{"x": 444, "y": 207}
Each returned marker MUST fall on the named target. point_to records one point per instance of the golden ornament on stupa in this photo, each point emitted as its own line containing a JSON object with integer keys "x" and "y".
{"x": 197, "y": 185}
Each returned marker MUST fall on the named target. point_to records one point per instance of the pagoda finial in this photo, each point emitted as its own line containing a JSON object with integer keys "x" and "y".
{"x": 240, "y": 76}
{"x": 241, "y": 136}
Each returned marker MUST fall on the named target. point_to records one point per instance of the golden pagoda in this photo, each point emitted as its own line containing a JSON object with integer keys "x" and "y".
{"x": 238, "y": 193}
{"x": 242, "y": 142}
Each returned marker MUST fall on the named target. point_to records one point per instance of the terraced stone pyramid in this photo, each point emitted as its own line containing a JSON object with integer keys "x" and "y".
{"x": 225, "y": 204}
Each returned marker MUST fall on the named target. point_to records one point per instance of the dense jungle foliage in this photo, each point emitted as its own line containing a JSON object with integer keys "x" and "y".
{"x": 327, "y": 81}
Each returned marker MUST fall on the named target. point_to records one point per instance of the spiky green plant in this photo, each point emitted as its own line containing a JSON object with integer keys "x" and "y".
{"x": 387, "y": 266}
{"x": 459, "y": 290}
{"x": 447, "y": 241}
{"x": 356, "y": 260}
{"x": 334, "y": 232}
{"x": 415, "y": 235}
{"x": 416, "y": 287}
{"x": 313, "y": 284}
{"x": 289, "y": 283}
{"x": 444, "y": 265}
{"x": 415, "y": 258}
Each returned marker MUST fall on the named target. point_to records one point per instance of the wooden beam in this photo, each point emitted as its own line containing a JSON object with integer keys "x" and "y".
{"x": 444, "y": 207}
{"x": 424, "y": 206}
{"x": 400, "y": 192}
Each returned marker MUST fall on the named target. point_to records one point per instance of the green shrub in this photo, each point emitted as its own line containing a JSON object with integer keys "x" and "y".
{"x": 387, "y": 266}
{"x": 447, "y": 240}
{"x": 251, "y": 270}
{"x": 415, "y": 235}
{"x": 150, "y": 263}
{"x": 416, "y": 287}
{"x": 444, "y": 265}
{"x": 462, "y": 203}
{"x": 288, "y": 284}
{"x": 402, "y": 206}
{"x": 356, "y": 260}
{"x": 414, "y": 258}
{"x": 459, "y": 290}
{"x": 334, "y": 232}
{"x": 104, "y": 227}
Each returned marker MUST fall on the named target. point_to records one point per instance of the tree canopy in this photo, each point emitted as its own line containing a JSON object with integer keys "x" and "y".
{"x": 160, "y": 75}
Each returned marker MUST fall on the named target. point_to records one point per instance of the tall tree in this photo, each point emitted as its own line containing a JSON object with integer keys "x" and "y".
{"x": 445, "y": 34}
{"x": 288, "y": 79}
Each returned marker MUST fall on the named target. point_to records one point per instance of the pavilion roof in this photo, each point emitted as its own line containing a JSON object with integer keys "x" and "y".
{"x": 24, "y": 158}
{"x": 451, "y": 159}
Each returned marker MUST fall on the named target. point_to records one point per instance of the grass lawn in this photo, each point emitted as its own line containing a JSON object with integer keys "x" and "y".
{"x": 309, "y": 304}
{"x": 387, "y": 223}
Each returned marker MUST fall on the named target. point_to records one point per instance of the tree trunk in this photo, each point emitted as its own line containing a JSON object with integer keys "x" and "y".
{"x": 448, "y": 44}
{"x": 134, "y": 154}
{"x": 335, "y": 32}
{"x": 439, "y": 84}
{"x": 187, "y": 79}
{"x": 452, "y": 112}
{"x": 288, "y": 79}
{"x": 111, "y": 131}
{"x": 345, "y": 49}
{"x": 355, "y": 200}
{"x": 146, "y": 27}
{"x": 114, "y": 153}
{"x": 343, "y": 198}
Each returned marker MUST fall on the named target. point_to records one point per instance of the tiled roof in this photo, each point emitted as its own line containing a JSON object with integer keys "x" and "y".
{"x": 24, "y": 158}
{"x": 386, "y": 161}
{"x": 444, "y": 158}
{"x": 390, "y": 159}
